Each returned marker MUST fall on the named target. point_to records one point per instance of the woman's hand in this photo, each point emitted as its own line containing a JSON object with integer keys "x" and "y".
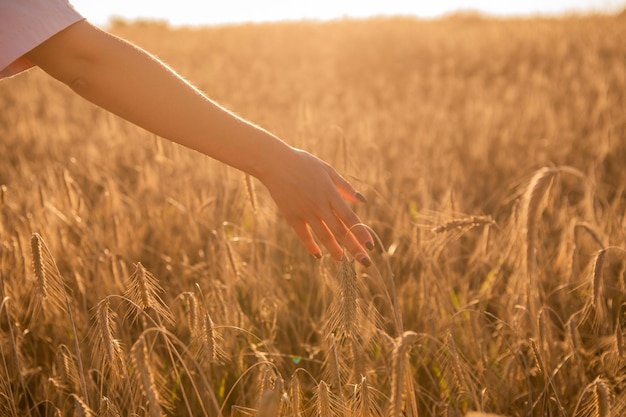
{"x": 312, "y": 197}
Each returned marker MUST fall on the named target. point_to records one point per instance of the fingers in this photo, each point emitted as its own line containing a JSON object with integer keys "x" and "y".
{"x": 356, "y": 238}
{"x": 304, "y": 234}
{"x": 346, "y": 189}
{"x": 332, "y": 233}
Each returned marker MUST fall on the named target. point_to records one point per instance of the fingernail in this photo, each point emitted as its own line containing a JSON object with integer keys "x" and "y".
{"x": 360, "y": 197}
{"x": 369, "y": 245}
{"x": 318, "y": 256}
{"x": 366, "y": 262}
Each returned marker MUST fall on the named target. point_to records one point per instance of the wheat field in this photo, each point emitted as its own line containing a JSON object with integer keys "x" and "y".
{"x": 139, "y": 278}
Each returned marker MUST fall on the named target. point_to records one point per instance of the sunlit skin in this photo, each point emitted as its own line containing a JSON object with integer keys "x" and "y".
{"x": 133, "y": 84}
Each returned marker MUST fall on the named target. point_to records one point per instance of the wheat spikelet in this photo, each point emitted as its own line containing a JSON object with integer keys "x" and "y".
{"x": 604, "y": 397}
{"x": 209, "y": 339}
{"x": 193, "y": 311}
{"x": 344, "y": 316}
{"x": 231, "y": 256}
{"x": 348, "y": 296}
{"x": 538, "y": 359}
{"x": 145, "y": 375}
{"x": 463, "y": 224}
{"x": 210, "y": 350}
{"x": 66, "y": 366}
{"x": 295, "y": 395}
{"x": 597, "y": 287}
{"x": 108, "y": 409}
{"x": 400, "y": 373}
{"x": 538, "y": 186}
{"x": 365, "y": 404}
{"x": 323, "y": 400}
{"x": 334, "y": 368}
{"x": 81, "y": 409}
{"x": 596, "y": 400}
{"x": 326, "y": 403}
{"x": 143, "y": 289}
{"x": 108, "y": 350}
{"x": 455, "y": 359}
{"x": 50, "y": 288}
{"x": 251, "y": 192}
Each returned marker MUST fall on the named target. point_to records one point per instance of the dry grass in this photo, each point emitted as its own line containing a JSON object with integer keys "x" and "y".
{"x": 138, "y": 278}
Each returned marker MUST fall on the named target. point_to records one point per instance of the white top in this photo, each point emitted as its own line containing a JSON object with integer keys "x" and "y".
{"x": 24, "y": 24}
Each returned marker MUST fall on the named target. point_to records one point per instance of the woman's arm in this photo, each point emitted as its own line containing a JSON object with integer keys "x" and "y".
{"x": 129, "y": 82}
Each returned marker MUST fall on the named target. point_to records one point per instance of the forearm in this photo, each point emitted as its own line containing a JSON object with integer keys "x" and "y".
{"x": 120, "y": 78}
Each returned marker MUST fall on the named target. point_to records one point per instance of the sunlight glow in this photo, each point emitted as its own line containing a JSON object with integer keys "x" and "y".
{"x": 194, "y": 12}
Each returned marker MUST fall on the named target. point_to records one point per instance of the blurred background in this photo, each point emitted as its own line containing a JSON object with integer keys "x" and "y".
{"x": 194, "y": 12}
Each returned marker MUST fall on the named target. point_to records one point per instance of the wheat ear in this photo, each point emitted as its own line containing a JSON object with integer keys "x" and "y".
{"x": 108, "y": 350}
{"x": 597, "y": 298}
{"x": 295, "y": 395}
{"x": 145, "y": 375}
{"x": 365, "y": 403}
{"x": 81, "y": 409}
{"x": 51, "y": 285}
{"x": 326, "y": 403}
{"x": 400, "y": 372}
{"x": 108, "y": 409}
{"x": 144, "y": 289}
{"x": 537, "y": 188}
{"x": 596, "y": 400}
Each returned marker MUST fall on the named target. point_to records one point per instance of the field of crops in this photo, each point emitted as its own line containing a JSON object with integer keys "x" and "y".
{"x": 139, "y": 278}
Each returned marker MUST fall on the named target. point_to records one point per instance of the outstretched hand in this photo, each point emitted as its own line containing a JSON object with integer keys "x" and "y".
{"x": 314, "y": 198}
{"x": 129, "y": 82}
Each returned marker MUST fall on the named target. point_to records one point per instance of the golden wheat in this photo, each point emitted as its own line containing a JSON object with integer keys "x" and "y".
{"x": 463, "y": 114}
{"x": 145, "y": 377}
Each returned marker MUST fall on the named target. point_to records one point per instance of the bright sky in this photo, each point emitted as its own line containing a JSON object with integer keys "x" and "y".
{"x": 196, "y": 12}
